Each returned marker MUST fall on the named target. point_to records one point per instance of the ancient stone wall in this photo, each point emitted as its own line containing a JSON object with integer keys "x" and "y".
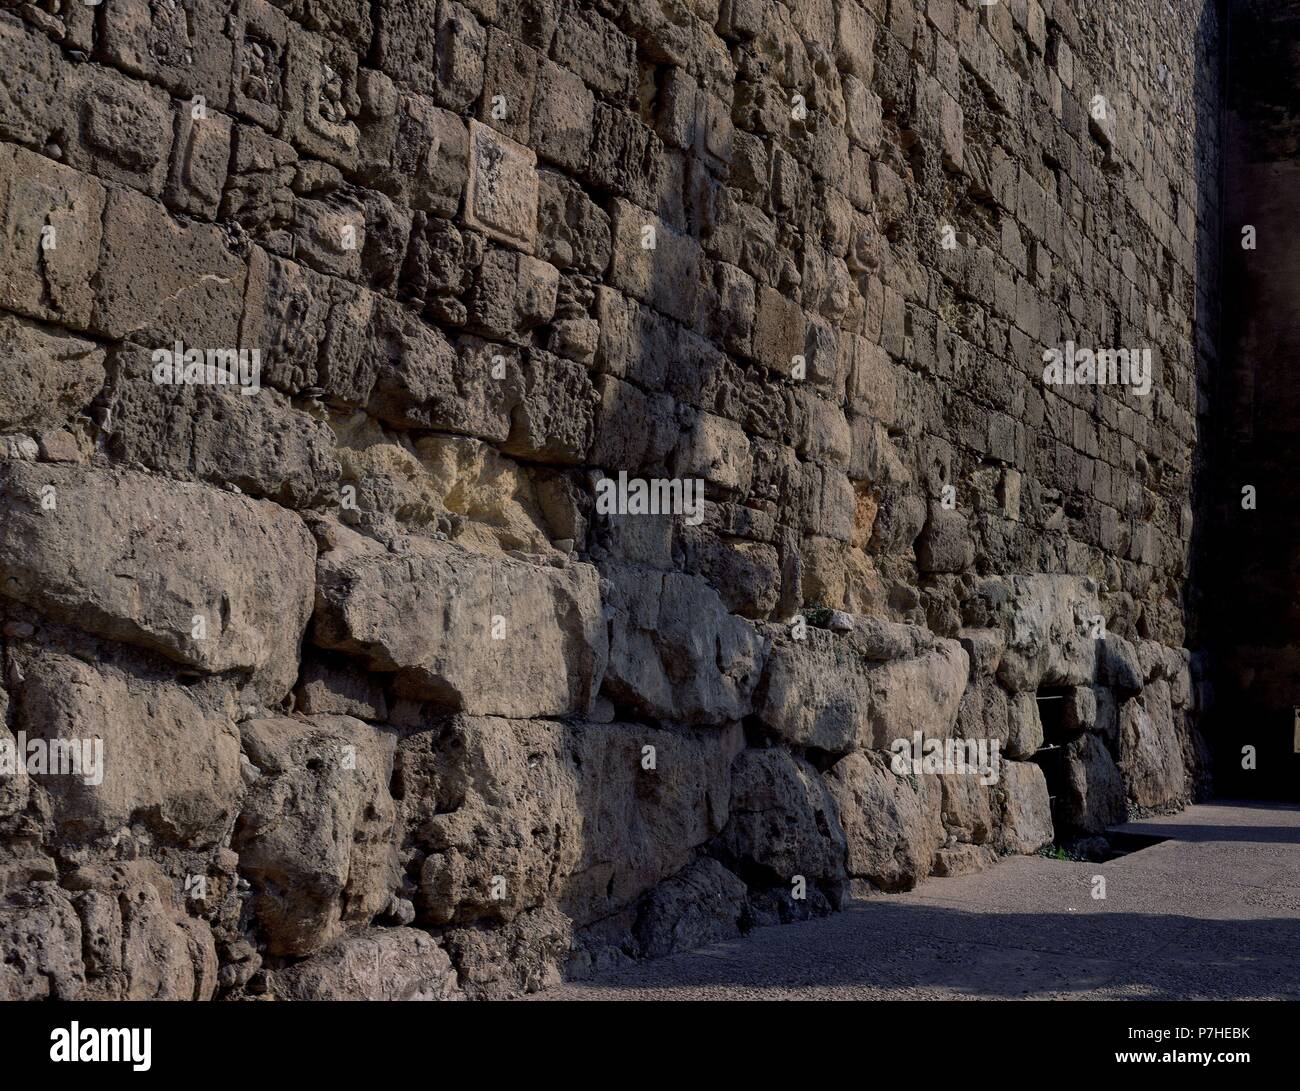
{"x": 405, "y": 682}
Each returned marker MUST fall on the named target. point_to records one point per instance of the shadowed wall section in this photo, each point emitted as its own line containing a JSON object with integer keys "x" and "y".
{"x": 1255, "y": 572}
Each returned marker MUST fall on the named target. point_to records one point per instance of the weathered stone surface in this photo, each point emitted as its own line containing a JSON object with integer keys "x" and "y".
{"x": 164, "y": 756}
{"x": 115, "y": 933}
{"x": 1119, "y": 664}
{"x": 922, "y": 693}
{"x": 501, "y": 198}
{"x": 553, "y": 411}
{"x": 568, "y": 815}
{"x": 967, "y": 808}
{"x": 161, "y": 279}
{"x": 41, "y": 204}
{"x": 490, "y": 253}
{"x": 200, "y": 163}
{"x": 123, "y": 132}
{"x": 523, "y": 955}
{"x": 702, "y": 904}
{"x": 962, "y": 860}
{"x": 46, "y": 376}
{"x": 41, "y": 936}
{"x": 984, "y": 713}
{"x": 430, "y": 616}
{"x": 14, "y": 788}
{"x": 180, "y": 47}
{"x": 1026, "y": 808}
{"x": 675, "y": 654}
{"x": 34, "y": 91}
{"x": 332, "y": 688}
{"x": 1024, "y": 725}
{"x": 315, "y": 834}
{"x": 573, "y": 232}
{"x": 945, "y": 544}
{"x": 431, "y": 156}
{"x": 81, "y": 546}
{"x": 891, "y": 835}
{"x": 1094, "y": 789}
{"x": 562, "y": 114}
{"x": 867, "y": 688}
{"x": 1054, "y": 623}
{"x": 138, "y": 943}
{"x": 513, "y": 295}
{"x": 256, "y": 441}
{"x": 257, "y": 194}
{"x": 377, "y": 964}
{"x": 654, "y": 263}
{"x": 784, "y": 824}
{"x": 1151, "y": 749}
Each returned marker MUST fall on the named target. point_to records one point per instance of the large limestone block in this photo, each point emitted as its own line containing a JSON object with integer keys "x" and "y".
{"x": 1094, "y": 794}
{"x": 814, "y": 693}
{"x": 180, "y": 47}
{"x": 161, "y": 278}
{"x": 891, "y": 834}
{"x": 139, "y": 559}
{"x": 784, "y": 823}
{"x": 138, "y": 942}
{"x": 316, "y": 834}
{"x": 966, "y": 807}
{"x": 46, "y": 375}
{"x": 41, "y": 938}
{"x": 1054, "y": 626}
{"x": 377, "y": 964}
{"x": 502, "y": 196}
{"x": 676, "y": 654}
{"x": 123, "y": 129}
{"x": 641, "y": 824}
{"x": 524, "y": 955}
{"x": 579, "y": 816}
{"x": 112, "y": 932}
{"x": 481, "y": 634}
{"x": 703, "y": 904}
{"x": 258, "y": 442}
{"x": 946, "y": 543}
{"x": 35, "y": 92}
{"x": 1026, "y": 819}
{"x": 1025, "y": 725}
{"x": 51, "y": 220}
{"x": 491, "y": 798}
{"x": 1151, "y": 749}
{"x": 654, "y": 263}
{"x": 921, "y": 693}
{"x": 168, "y": 754}
{"x": 867, "y": 688}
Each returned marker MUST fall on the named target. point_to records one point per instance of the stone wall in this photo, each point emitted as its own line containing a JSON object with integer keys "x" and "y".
{"x": 391, "y": 702}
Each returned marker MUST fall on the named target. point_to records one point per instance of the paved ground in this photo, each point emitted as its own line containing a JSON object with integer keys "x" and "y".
{"x": 1213, "y": 912}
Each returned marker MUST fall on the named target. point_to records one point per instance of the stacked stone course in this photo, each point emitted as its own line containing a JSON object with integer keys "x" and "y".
{"x": 390, "y": 707}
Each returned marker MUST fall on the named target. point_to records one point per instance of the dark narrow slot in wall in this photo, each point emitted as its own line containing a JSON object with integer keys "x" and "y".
{"x": 1051, "y": 756}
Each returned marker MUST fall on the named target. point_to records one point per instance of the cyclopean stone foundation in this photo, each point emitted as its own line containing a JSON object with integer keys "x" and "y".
{"x": 395, "y": 698}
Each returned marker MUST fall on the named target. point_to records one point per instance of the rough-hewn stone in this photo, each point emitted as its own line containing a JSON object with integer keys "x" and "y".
{"x": 491, "y": 257}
